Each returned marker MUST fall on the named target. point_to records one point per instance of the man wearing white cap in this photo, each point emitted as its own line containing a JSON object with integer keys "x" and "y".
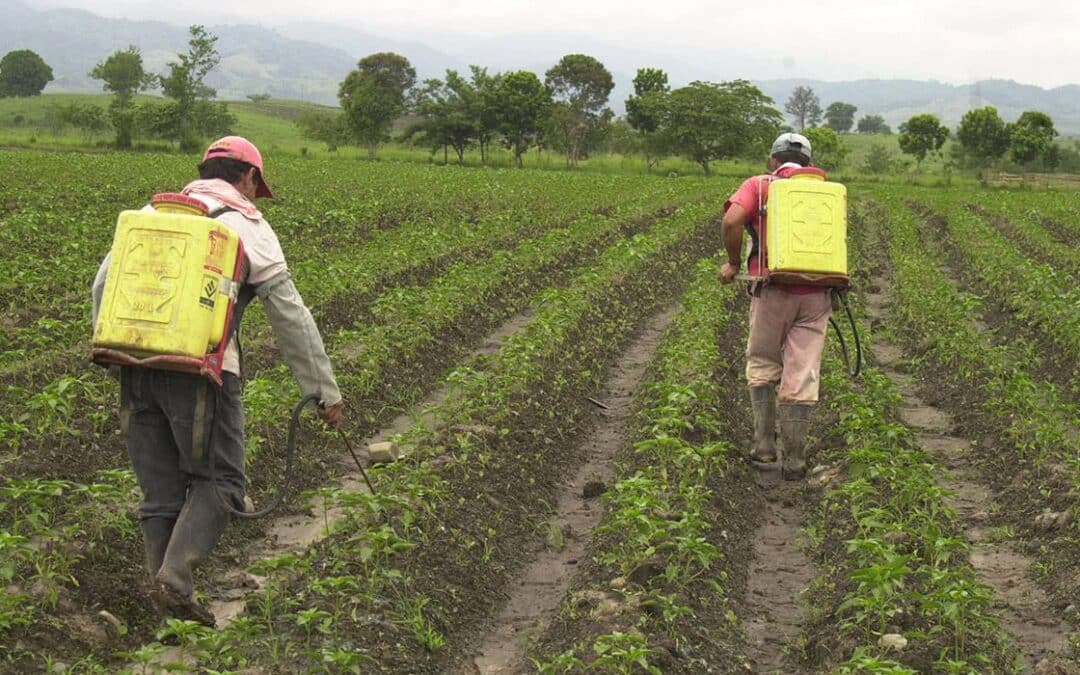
{"x": 175, "y": 422}
{"x": 787, "y": 321}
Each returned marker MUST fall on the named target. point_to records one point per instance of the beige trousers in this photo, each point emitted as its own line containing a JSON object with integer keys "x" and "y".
{"x": 787, "y": 335}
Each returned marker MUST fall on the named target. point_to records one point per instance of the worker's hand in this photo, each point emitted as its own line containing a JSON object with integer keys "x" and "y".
{"x": 332, "y": 415}
{"x": 727, "y": 273}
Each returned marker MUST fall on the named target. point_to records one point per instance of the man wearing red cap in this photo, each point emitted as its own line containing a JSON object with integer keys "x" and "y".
{"x": 170, "y": 417}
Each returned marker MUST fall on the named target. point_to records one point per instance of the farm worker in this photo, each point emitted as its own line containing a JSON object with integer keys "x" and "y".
{"x": 787, "y": 322}
{"x": 169, "y": 417}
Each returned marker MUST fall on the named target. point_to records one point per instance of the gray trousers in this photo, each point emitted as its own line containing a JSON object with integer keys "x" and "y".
{"x": 174, "y": 422}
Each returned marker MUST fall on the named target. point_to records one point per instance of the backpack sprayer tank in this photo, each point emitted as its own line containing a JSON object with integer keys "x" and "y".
{"x": 170, "y": 291}
{"x": 806, "y": 236}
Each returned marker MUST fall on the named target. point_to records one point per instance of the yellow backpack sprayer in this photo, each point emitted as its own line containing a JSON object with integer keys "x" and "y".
{"x": 171, "y": 302}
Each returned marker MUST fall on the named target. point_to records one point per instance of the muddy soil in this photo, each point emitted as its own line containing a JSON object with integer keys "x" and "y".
{"x": 779, "y": 574}
{"x": 537, "y": 592}
{"x": 1038, "y": 630}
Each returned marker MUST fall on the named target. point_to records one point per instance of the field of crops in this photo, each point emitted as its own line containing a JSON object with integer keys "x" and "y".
{"x": 555, "y": 356}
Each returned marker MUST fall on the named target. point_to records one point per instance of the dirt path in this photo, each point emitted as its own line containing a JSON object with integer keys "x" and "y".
{"x": 1026, "y": 613}
{"x": 537, "y": 593}
{"x": 780, "y": 571}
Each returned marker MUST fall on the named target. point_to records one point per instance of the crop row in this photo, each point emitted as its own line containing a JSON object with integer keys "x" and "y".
{"x": 55, "y": 248}
{"x": 1028, "y": 444}
{"x": 892, "y": 559}
{"x": 655, "y": 595}
{"x": 1033, "y": 237}
{"x": 413, "y": 569}
{"x": 422, "y": 330}
{"x": 1040, "y": 296}
{"x": 568, "y": 241}
{"x": 1058, "y": 211}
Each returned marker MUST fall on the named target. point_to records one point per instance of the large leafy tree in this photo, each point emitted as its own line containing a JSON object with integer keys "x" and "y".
{"x": 191, "y": 113}
{"x": 523, "y": 103}
{"x": 873, "y": 124}
{"x": 804, "y": 106}
{"x": 840, "y": 116}
{"x": 123, "y": 75}
{"x": 483, "y": 107}
{"x": 330, "y": 128}
{"x": 829, "y": 148}
{"x": 447, "y": 118}
{"x": 645, "y": 111}
{"x": 1031, "y": 137}
{"x": 707, "y": 121}
{"x": 922, "y": 135}
{"x": 374, "y": 95}
{"x": 23, "y": 73}
{"x": 580, "y": 85}
{"x": 982, "y": 135}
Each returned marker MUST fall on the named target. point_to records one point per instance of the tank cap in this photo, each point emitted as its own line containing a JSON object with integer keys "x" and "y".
{"x": 176, "y": 202}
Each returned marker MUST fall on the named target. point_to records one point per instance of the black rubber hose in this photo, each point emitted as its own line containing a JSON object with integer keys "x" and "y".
{"x": 855, "y": 335}
{"x": 290, "y": 453}
{"x": 853, "y": 372}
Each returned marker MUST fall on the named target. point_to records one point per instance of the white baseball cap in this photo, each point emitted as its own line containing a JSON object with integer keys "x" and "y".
{"x": 791, "y": 141}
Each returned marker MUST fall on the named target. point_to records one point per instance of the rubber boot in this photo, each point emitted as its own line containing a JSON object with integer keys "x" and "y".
{"x": 197, "y": 530}
{"x": 794, "y": 423}
{"x": 763, "y": 402}
{"x": 156, "y": 534}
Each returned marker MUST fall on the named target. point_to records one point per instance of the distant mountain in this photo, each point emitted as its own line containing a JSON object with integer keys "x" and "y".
{"x": 253, "y": 60}
{"x": 306, "y": 61}
{"x": 898, "y": 100}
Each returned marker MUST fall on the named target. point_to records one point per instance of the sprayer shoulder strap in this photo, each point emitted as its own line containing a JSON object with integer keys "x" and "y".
{"x": 247, "y": 291}
{"x": 759, "y": 220}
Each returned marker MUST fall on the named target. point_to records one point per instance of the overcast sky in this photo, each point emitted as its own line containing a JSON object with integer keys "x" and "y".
{"x": 955, "y": 42}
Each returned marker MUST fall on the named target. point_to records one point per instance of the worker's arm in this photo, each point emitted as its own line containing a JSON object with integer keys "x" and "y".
{"x": 300, "y": 343}
{"x": 731, "y": 229}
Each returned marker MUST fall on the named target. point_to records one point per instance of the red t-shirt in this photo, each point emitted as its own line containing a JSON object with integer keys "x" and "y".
{"x": 752, "y": 195}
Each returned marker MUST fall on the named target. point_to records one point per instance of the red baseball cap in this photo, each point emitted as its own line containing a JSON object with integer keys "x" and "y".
{"x": 240, "y": 148}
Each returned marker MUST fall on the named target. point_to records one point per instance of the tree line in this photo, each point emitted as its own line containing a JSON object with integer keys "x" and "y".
{"x": 188, "y": 115}
{"x": 566, "y": 112}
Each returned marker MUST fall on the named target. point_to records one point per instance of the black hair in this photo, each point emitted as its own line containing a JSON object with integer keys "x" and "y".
{"x": 227, "y": 169}
{"x": 795, "y": 156}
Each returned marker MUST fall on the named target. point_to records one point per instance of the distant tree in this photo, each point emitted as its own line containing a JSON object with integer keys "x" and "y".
{"x": 707, "y": 122}
{"x": 330, "y": 128}
{"x": 982, "y": 135}
{"x": 523, "y": 103}
{"x": 829, "y": 148}
{"x": 645, "y": 111}
{"x": 258, "y": 98}
{"x": 840, "y": 116}
{"x": 23, "y": 73}
{"x": 873, "y": 124}
{"x": 922, "y": 135}
{"x": 804, "y": 106}
{"x": 879, "y": 160}
{"x": 123, "y": 75}
{"x": 88, "y": 118}
{"x": 581, "y": 84}
{"x": 192, "y": 114}
{"x": 446, "y": 117}
{"x": 622, "y": 139}
{"x": 1031, "y": 137}
{"x": 483, "y": 107}
{"x": 374, "y": 95}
